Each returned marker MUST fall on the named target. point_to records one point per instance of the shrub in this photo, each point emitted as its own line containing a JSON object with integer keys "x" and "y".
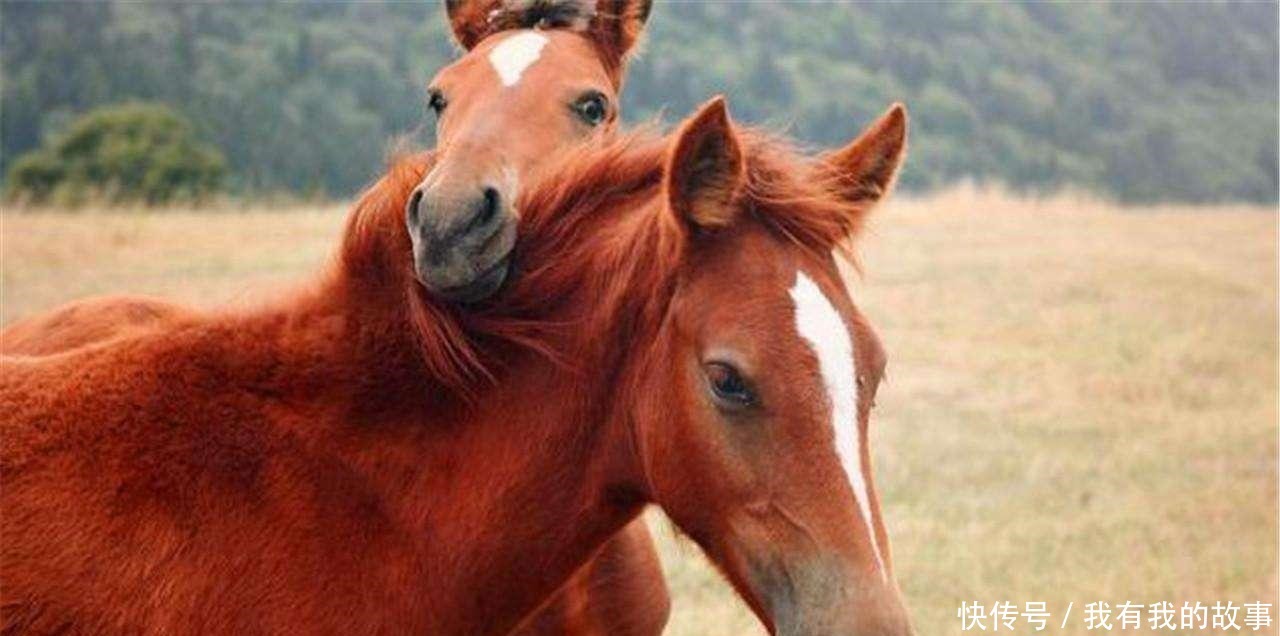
{"x": 129, "y": 152}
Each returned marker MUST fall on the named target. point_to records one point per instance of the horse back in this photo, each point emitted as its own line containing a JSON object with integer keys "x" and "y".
{"x": 155, "y": 474}
{"x": 86, "y": 322}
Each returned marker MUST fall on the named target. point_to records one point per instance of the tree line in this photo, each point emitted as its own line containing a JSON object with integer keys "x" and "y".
{"x": 1141, "y": 101}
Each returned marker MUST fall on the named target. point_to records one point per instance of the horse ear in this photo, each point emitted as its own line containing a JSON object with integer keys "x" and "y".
{"x": 617, "y": 26}
{"x": 705, "y": 168}
{"x": 864, "y": 171}
{"x": 614, "y": 25}
{"x": 470, "y": 19}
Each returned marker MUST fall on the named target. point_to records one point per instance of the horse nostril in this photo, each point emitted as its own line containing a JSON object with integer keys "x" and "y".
{"x": 484, "y": 212}
{"x": 490, "y": 209}
{"x": 411, "y": 210}
{"x": 471, "y": 219}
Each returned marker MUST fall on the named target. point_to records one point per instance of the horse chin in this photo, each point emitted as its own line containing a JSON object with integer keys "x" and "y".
{"x": 484, "y": 285}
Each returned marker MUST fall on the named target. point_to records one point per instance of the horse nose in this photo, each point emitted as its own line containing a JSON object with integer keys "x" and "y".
{"x": 461, "y": 239}
{"x": 485, "y": 212}
{"x": 460, "y": 221}
{"x": 449, "y": 221}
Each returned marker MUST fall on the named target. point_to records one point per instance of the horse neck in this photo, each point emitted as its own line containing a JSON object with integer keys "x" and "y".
{"x": 547, "y": 462}
{"x": 511, "y": 488}
{"x": 508, "y": 489}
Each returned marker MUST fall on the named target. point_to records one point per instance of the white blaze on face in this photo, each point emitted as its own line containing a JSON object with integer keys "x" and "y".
{"x": 512, "y": 56}
{"x": 820, "y": 324}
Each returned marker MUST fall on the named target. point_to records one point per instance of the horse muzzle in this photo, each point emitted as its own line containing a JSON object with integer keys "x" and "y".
{"x": 462, "y": 243}
{"x": 821, "y": 599}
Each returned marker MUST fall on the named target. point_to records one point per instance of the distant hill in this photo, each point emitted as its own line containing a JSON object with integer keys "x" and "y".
{"x": 1142, "y": 101}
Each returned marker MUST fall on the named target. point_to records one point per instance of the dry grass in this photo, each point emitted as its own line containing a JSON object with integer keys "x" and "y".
{"x": 1081, "y": 403}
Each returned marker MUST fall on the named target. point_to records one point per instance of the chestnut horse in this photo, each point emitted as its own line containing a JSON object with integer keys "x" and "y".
{"x": 494, "y": 133}
{"x": 539, "y": 74}
{"x": 679, "y": 335}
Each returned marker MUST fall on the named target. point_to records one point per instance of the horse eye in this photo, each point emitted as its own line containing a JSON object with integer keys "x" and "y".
{"x": 436, "y": 101}
{"x": 592, "y": 107}
{"x": 728, "y": 386}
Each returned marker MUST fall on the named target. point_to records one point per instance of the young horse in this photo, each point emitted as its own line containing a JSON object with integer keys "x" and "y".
{"x": 494, "y": 133}
{"x": 307, "y": 467}
{"x": 547, "y": 78}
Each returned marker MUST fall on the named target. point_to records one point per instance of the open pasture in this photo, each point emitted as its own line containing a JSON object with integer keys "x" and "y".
{"x": 1081, "y": 401}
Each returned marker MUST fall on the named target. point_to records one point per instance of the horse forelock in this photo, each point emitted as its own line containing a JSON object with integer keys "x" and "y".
{"x": 574, "y": 15}
{"x": 791, "y": 194}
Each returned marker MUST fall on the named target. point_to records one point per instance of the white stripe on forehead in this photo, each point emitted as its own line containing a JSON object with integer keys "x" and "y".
{"x": 820, "y": 324}
{"x": 512, "y": 56}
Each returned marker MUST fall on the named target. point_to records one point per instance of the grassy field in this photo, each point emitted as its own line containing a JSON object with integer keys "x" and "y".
{"x": 1081, "y": 403}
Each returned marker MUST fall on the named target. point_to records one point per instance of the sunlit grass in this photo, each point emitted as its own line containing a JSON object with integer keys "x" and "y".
{"x": 1081, "y": 403}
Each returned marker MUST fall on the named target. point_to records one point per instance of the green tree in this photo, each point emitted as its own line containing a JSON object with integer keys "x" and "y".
{"x": 1142, "y": 101}
{"x": 130, "y": 152}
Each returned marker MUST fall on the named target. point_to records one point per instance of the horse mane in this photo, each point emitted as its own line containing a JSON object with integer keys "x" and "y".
{"x": 794, "y": 195}
{"x": 574, "y": 15}
{"x": 375, "y": 256}
{"x": 594, "y": 228}
{"x": 572, "y": 216}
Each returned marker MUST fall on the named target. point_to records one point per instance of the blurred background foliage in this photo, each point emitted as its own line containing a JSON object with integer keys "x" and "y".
{"x": 1140, "y": 101}
{"x": 130, "y": 152}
